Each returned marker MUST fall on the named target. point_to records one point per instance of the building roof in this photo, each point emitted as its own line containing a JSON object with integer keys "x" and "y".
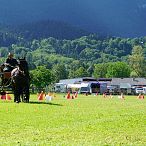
{"x": 71, "y": 81}
{"x": 77, "y": 80}
{"x": 110, "y": 82}
{"x": 131, "y": 81}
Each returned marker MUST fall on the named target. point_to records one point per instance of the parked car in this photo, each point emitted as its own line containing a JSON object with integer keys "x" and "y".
{"x": 139, "y": 90}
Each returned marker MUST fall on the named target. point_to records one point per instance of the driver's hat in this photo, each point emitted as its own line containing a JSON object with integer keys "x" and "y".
{"x": 10, "y": 54}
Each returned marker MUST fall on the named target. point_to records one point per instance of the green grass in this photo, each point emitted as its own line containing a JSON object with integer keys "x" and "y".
{"x": 86, "y": 120}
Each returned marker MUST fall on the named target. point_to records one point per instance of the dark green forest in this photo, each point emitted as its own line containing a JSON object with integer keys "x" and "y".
{"x": 74, "y": 55}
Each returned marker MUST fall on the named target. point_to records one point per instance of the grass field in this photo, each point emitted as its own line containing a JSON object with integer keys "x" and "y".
{"x": 86, "y": 120}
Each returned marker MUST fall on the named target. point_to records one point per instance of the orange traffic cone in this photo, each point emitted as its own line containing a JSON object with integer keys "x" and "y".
{"x": 3, "y": 97}
{"x": 142, "y": 97}
{"x": 68, "y": 95}
{"x": 8, "y": 97}
{"x": 41, "y": 96}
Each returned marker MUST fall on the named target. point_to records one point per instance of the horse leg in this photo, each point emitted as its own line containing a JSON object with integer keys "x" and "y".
{"x": 22, "y": 97}
{"x": 27, "y": 94}
{"x": 27, "y": 97}
{"x": 16, "y": 98}
{"x": 17, "y": 95}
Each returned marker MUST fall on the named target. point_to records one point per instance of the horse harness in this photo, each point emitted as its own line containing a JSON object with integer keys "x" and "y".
{"x": 16, "y": 71}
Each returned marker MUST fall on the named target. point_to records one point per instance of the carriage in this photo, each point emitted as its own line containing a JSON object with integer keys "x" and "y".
{"x": 5, "y": 78}
{"x": 16, "y": 81}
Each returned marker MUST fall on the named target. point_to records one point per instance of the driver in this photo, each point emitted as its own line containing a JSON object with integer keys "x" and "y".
{"x": 10, "y": 63}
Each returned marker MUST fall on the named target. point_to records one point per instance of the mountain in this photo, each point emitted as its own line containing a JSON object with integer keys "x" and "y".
{"x": 39, "y": 30}
{"x": 109, "y": 17}
{"x": 48, "y": 28}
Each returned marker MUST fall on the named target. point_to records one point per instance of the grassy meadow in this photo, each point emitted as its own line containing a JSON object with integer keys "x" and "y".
{"x": 86, "y": 120}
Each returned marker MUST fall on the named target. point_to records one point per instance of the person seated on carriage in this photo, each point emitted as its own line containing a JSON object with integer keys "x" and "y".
{"x": 10, "y": 63}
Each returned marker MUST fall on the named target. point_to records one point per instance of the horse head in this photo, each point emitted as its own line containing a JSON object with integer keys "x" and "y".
{"x": 23, "y": 65}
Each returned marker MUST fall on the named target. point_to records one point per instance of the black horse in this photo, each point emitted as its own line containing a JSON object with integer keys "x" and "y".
{"x": 21, "y": 81}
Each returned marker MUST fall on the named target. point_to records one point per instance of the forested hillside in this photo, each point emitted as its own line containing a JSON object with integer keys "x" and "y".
{"x": 12, "y": 34}
{"x": 76, "y": 57}
{"x": 48, "y": 28}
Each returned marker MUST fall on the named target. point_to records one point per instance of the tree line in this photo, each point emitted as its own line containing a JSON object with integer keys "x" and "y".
{"x": 52, "y": 59}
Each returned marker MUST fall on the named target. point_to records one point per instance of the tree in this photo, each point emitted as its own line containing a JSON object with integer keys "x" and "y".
{"x": 35, "y": 45}
{"x": 59, "y": 71}
{"x": 81, "y": 72}
{"x": 137, "y": 61}
{"x": 76, "y": 64}
{"x": 30, "y": 60}
{"x": 3, "y": 51}
{"x": 90, "y": 70}
{"x": 100, "y": 70}
{"x": 41, "y": 76}
{"x": 118, "y": 70}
